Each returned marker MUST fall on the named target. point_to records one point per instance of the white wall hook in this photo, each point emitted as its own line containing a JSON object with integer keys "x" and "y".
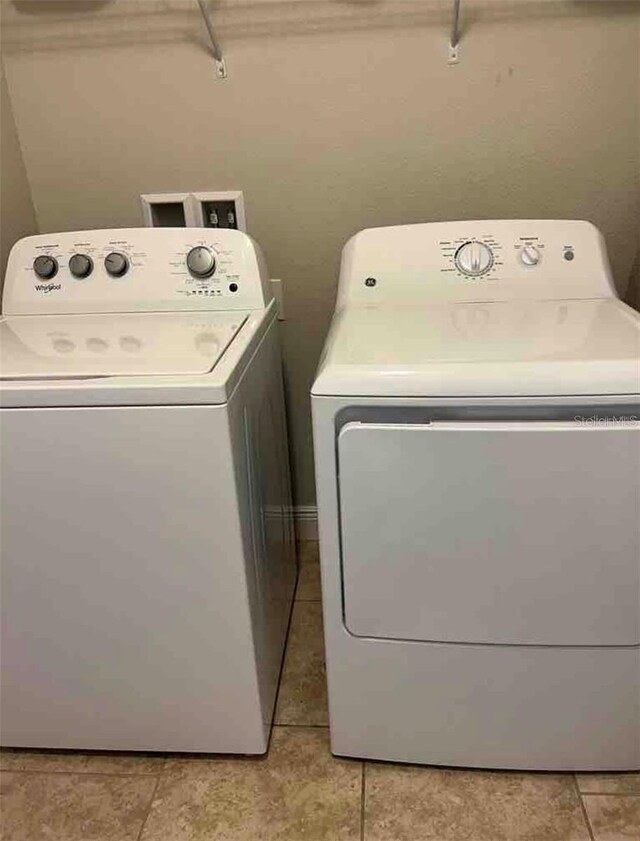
{"x": 221, "y": 67}
{"x": 454, "y": 42}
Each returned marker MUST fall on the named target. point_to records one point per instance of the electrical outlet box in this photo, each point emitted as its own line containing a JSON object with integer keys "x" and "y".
{"x": 220, "y": 210}
{"x": 168, "y": 210}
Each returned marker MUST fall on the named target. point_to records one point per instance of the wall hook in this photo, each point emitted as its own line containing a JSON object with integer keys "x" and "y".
{"x": 454, "y": 42}
{"x": 221, "y": 67}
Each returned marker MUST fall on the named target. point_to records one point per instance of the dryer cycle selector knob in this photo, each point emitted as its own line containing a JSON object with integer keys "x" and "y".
{"x": 116, "y": 263}
{"x": 201, "y": 262}
{"x": 530, "y": 255}
{"x": 80, "y": 265}
{"x": 45, "y": 266}
{"x": 474, "y": 258}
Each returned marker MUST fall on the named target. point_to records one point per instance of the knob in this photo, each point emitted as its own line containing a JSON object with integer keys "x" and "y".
{"x": 530, "y": 255}
{"x": 116, "y": 264}
{"x": 474, "y": 258}
{"x": 201, "y": 262}
{"x": 45, "y": 266}
{"x": 80, "y": 265}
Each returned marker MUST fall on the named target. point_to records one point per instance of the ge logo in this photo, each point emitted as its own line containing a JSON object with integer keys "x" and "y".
{"x": 370, "y": 281}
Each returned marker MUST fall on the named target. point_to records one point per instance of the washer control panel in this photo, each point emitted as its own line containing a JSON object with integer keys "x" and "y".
{"x": 135, "y": 269}
{"x": 478, "y": 260}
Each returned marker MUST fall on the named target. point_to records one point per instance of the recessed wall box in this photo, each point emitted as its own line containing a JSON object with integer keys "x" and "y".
{"x": 168, "y": 210}
{"x": 220, "y": 210}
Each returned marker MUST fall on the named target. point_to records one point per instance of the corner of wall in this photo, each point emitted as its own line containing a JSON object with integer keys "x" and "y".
{"x": 17, "y": 213}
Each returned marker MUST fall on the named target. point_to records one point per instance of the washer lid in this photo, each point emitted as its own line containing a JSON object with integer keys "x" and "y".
{"x": 510, "y": 348}
{"x": 64, "y": 347}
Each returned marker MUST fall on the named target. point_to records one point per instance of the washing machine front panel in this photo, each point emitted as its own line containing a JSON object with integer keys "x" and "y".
{"x": 517, "y": 533}
{"x": 135, "y": 612}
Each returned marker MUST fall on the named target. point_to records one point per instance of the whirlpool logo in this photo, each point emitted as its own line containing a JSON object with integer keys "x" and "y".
{"x": 48, "y": 287}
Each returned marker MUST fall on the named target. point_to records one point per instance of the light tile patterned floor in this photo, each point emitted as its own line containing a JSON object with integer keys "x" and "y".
{"x": 299, "y": 792}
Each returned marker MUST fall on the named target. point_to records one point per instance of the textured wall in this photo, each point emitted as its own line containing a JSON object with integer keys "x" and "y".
{"x": 17, "y": 216}
{"x": 633, "y": 291}
{"x": 336, "y": 115}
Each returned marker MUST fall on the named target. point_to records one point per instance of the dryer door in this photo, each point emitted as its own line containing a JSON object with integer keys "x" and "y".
{"x": 519, "y": 533}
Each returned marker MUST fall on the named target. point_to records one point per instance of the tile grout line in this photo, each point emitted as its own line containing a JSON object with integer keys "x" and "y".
{"x": 362, "y": 799}
{"x": 316, "y": 726}
{"x": 285, "y": 651}
{"x": 62, "y": 771}
{"x": 583, "y": 808}
{"x": 150, "y": 806}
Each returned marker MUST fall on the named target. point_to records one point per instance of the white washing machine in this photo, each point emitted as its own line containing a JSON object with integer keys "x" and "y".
{"x": 147, "y": 548}
{"x": 477, "y": 440}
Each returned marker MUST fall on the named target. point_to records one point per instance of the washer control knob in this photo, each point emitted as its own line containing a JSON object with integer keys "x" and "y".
{"x": 45, "y": 266}
{"x": 474, "y": 258}
{"x": 80, "y": 265}
{"x": 530, "y": 255}
{"x": 201, "y": 262}
{"x": 116, "y": 263}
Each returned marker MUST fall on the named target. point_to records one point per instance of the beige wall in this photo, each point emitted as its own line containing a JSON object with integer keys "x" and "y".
{"x": 17, "y": 216}
{"x": 337, "y": 115}
{"x": 633, "y": 290}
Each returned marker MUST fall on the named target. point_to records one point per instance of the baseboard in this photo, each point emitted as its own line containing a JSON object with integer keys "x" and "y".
{"x": 305, "y": 518}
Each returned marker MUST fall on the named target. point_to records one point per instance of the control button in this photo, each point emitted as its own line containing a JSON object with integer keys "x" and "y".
{"x": 201, "y": 262}
{"x": 97, "y": 345}
{"x": 530, "y": 255}
{"x": 474, "y": 258}
{"x": 45, "y": 266}
{"x": 233, "y": 287}
{"x": 116, "y": 263}
{"x": 80, "y": 265}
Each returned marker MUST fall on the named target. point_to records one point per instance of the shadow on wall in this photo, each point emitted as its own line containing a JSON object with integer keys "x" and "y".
{"x": 633, "y": 292}
{"x": 39, "y": 25}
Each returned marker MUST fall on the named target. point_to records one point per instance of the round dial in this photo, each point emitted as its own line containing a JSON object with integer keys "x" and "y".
{"x": 116, "y": 263}
{"x": 474, "y": 258}
{"x": 80, "y": 265}
{"x": 201, "y": 262}
{"x": 45, "y": 266}
{"x": 530, "y": 255}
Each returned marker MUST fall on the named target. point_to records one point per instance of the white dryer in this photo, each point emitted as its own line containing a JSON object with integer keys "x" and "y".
{"x": 477, "y": 441}
{"x": 147, "y": 549}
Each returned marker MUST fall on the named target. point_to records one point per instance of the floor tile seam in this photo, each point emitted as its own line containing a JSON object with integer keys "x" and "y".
{"x": 149, "y": 808}
{"x": 583, "y": 809}
{"x": 70, "y": 773}
{"x": 285, "y": 651}
{"x": 363, "y": 794}
{"x": 309, "y": 726}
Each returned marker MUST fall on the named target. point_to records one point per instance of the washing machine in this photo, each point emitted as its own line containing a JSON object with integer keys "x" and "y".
{"x": 476, "y": 419}
{"x": 147, "y": 548}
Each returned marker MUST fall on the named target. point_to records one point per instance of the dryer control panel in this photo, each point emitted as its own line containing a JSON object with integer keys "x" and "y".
{"x": 135, "y": 270}
{"x": 475, "y": 261}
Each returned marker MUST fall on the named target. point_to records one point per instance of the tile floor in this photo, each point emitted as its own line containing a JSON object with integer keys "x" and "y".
{"x": 299, "y": 792}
